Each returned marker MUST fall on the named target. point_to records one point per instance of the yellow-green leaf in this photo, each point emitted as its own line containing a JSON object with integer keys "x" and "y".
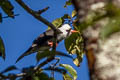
{"x": 69, "y": 2}
{"x": 77, "y": 61}
{"x": 67, "y": 77}
{"x": 57, "y": 22}
{"x": 71, "y": 70}
{"x": 74, "y": 13}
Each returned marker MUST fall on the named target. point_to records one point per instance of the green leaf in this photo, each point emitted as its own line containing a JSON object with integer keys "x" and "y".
{"x": 72, "y": 43}
{"x": 0, "y": 17}
{"x": 7, "y": 7}
{"x": 74, "y": 13}
{"x": 111, "y": 27}
{"x": 71, "y": 70}
{"x": 77, "y": 61}
{"x": 9, "y": 69}
{"x": 75, "y": 45}
{"x": 45, "y": 54}
{"x": 67, "y": 77}
{"x": 57, "y": 22}
{"x": 2, "y": 49}
{"x": 68, "y": 3}
{"x": 60, "y": 70}
{"x": 41, "y": 76}
{"x": 66, "y": 16}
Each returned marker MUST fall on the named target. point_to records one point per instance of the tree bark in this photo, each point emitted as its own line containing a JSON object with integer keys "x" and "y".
{"x": 103, "y": 55}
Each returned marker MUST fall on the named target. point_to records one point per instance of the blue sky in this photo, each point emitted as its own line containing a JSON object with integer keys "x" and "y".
{"x": 19, "y": 33}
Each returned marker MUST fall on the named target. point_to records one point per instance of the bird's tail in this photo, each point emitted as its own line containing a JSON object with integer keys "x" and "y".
{"x": 28, "y": 52}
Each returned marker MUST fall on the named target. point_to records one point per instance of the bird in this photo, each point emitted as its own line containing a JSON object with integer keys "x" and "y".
{"x": 45, "y": 40}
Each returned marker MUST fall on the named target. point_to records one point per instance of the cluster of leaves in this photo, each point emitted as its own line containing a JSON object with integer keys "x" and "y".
{"x": 7, "y": 7}
{"x": 74, "y": 44}
{"x": 67, "y": 71}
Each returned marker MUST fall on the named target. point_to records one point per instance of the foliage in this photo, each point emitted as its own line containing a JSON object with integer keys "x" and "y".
{"x": 74, "y": 44}
{"x": 7, "y": 7}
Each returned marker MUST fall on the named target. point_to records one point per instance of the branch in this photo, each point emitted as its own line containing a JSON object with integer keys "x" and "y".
{"x": 36, "y": 15}
{"x": 43, "y": 63}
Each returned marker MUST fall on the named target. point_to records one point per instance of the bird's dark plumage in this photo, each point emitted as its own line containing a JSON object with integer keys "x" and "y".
{"x": 41, "y": 43}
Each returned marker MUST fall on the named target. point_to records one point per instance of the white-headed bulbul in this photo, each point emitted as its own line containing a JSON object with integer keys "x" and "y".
{"x": 45, "y": 40}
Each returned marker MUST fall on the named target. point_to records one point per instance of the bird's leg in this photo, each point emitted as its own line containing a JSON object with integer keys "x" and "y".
{"x": 50, "y": 43}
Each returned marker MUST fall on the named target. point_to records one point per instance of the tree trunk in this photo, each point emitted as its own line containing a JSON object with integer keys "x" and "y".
{"x": 103, "y": 55}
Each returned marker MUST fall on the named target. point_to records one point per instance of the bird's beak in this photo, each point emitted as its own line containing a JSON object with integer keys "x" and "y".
{"x": 74, "y": 31}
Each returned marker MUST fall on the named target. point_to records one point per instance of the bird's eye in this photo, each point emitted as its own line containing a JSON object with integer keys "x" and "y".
{"x": 68, "y": 30}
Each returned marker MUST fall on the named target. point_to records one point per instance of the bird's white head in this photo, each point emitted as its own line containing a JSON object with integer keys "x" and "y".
{"x": 66, "y": 30}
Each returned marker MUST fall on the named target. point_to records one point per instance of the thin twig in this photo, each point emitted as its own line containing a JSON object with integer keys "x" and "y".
{"x": 54, "y": 65}
{"x": 12, "y": 16}
{"x": 43, "y": 10}
{"x": 43, "y": 63}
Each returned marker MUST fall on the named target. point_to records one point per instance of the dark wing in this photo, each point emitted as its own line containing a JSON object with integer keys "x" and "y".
{"x": 42, "y": 40}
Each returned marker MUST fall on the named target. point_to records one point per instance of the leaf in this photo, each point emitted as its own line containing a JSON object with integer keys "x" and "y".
{"x": 66, "y": 16}
{"x": 57, "y": 22}
{"x": 7, "y": 7}
{"x": 2, "y": 49}
{"x": 111, "y": 27}
{"x": 77, "y": 61}
{"x": 75, "y": 45}
{"x": 41, "y": 76}
{"x": 60, "y": 70}
{"x": 74, "y": 13}
{"x": 69, "y": 2}
{"x": 72, "y": 43}
{"x": 67, "y": 77}
{"x": 45, "y": 54}
{"x": 71, "y": 70}
{"x": 9, "y": 69}
{"x": 0, "y": 17}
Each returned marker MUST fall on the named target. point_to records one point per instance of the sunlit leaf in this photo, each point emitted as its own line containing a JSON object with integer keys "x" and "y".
{"x": 2, "y": 49}
{"x": 71, "y": 70}
{"x": 67, "y": 77}
{"x": 45, "y": 54}
{"x": 77, "y": 61}
{"x": 9, "y": 69}
{"x": 69, "y": 2}
{"x": 74, "y": 13}
{"x": 60, "y": 70}
{"x": 57, "y": 22}
{"x": 111, "y": 27}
